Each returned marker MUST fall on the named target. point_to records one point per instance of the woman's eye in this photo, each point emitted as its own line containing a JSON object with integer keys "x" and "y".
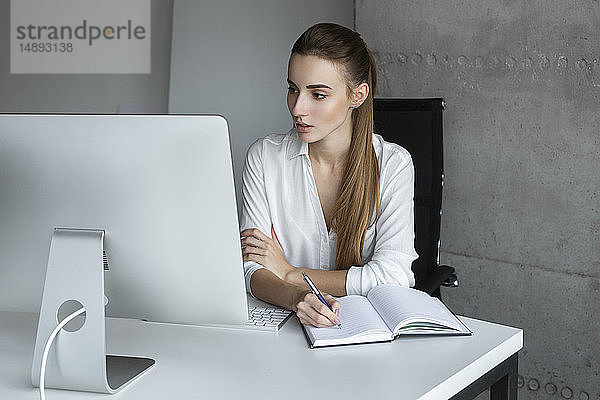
{"x": 319, "y": 96}
{"x": 292, "y": 90}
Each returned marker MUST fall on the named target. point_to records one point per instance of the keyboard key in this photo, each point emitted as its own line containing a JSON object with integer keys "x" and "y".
{"x": 266, "y": 318}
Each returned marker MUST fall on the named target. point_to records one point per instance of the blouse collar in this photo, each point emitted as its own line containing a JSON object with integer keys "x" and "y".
{"x": 297, "y": 147}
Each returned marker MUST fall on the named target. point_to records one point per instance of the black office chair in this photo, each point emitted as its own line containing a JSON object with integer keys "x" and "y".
{"x": 416, "y": 125}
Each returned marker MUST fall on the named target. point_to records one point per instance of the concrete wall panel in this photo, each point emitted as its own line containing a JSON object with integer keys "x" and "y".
{"x": 522, "y": 154}
{"x": 561, "y": 333}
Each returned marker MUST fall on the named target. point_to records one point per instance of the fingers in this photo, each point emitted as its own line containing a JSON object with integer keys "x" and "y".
{"x": 315, "y": 320}
{"x": 254, "y": 232}
{"x": 312, "y": 311}
{"x": 304, "y": 319}
{"x": 255, "y": 237}
{"x": 324, "y": 310}
{"x": 333, "y": 303}
{"x": 254, "y": 250}
{"x": 252, "y": 247}
{"x": 252, "y": 241}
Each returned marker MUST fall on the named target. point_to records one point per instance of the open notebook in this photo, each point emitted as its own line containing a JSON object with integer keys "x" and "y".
{"x": 387, "y": 312}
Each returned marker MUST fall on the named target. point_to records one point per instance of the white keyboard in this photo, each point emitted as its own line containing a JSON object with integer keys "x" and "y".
{"x": 261, "y": 317}
{"x": 266, "y": 318}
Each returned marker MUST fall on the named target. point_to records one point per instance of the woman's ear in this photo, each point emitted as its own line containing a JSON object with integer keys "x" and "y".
{"x": 360, "y": 94}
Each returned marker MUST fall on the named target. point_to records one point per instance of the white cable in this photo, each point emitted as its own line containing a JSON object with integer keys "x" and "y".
{"x": 47, "y": 348}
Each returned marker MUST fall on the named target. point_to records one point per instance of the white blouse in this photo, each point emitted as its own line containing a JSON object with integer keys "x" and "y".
{"x": 279, "y": 188}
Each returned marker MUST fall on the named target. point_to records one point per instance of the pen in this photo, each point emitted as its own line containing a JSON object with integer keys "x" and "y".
{"x": 316, "y": 292}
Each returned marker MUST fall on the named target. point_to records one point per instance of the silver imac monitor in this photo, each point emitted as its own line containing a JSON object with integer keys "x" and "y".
{"x": 160, "y": 186}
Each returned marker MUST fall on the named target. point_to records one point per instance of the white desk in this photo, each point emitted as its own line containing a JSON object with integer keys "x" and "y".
{"x": 213, "y": 363}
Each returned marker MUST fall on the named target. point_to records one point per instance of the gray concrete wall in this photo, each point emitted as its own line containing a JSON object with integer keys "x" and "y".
{"x": 521, "y": 220}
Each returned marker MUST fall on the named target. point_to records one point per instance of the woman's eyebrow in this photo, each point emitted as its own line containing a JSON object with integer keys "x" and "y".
{"x": 318, "y": 86}
{"x": 314, "y": 86}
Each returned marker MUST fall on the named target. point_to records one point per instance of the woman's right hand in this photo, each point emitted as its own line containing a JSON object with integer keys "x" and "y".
{"x": 311, "y": 311}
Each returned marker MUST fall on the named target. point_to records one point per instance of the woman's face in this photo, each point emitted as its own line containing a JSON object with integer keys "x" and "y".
{"x": 317, "y": 98}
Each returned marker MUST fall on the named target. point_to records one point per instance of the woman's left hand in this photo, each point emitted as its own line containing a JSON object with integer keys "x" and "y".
{"x": 258, "y": 247}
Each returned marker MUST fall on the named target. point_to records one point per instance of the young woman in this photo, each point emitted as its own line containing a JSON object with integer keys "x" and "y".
{"x": 329, "y": 198}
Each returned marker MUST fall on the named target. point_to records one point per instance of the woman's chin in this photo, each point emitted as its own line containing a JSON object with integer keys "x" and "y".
{"x": 309, "y": 137}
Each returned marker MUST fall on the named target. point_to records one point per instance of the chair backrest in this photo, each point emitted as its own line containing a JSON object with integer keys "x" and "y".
{"x": 416, "y": 125}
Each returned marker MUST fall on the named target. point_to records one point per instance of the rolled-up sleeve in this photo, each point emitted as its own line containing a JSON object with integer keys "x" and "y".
{"x": 394, "y": 249}
{"x": 255, "y": 207}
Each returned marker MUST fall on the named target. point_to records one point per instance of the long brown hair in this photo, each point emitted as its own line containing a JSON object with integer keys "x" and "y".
{"x": 359, "y": 193}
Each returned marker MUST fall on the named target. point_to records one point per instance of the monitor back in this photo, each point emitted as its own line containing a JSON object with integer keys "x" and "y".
{"x": 161, "y": 186}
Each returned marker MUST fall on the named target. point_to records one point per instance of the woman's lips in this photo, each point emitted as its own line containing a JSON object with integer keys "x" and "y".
{"x": 303, "y": 128}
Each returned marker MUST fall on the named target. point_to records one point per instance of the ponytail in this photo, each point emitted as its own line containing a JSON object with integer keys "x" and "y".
{"x": 357, "y": 206}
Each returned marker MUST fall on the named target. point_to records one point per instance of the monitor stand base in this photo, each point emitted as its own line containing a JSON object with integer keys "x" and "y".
{"x": 122, "y": 369}
{"x": 77, "y": 359}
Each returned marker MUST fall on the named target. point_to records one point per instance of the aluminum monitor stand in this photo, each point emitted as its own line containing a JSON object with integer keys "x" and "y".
{"x": 77, "y": 360}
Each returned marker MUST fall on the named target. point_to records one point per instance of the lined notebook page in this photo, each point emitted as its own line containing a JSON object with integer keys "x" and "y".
{"x": 358, "y": 319}
{"x": 398, "y": 305}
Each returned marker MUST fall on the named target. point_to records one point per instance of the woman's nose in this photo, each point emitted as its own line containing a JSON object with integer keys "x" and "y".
{"x": 299, "y": 106}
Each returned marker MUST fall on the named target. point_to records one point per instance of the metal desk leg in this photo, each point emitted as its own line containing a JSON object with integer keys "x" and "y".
{"x": 506, "y": 387}
{"x": 501, "y": 380}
